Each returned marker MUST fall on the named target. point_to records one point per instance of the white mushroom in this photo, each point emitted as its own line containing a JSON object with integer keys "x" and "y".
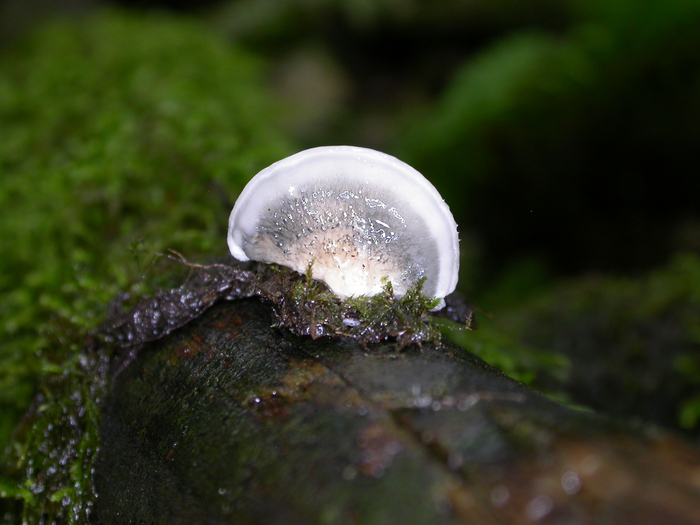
{"x": 358, "y": 216}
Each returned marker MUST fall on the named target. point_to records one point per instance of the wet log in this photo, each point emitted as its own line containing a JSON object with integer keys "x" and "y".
{"x": 229, "y": 420}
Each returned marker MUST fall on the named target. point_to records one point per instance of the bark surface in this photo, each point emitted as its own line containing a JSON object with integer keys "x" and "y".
{"x": 230, "y": 421}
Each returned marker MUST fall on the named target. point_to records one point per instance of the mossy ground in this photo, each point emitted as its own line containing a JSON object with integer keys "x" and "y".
{"x": 124, "y": 135}
{"x": 121, "y": 135}
{"x": 632, "y": 343}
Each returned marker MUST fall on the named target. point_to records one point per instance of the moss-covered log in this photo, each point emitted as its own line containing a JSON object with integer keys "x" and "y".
{"x": 228, "y": 420}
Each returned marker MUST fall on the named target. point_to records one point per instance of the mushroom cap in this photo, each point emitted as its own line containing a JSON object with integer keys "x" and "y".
{"x": 359, "y": 217}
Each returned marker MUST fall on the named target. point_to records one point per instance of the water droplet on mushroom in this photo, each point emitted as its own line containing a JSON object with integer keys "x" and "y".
{"x": 570, "y": 482}
{"x": 539, "y": 507}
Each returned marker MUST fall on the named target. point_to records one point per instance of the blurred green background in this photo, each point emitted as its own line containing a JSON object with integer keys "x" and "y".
{"x": 562, "y": 135}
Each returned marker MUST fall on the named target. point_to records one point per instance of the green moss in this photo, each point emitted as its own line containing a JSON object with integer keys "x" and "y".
{"x": 519, "y": 360}
{"x": 632, "y": 342}
{"x": 121, "y": 136}
{"x": 56, "y": 446}
{"x": 308, "y": 307}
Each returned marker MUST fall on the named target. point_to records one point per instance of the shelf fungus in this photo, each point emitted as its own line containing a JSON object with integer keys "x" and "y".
{"x": 349, "y": 243}
{"x": 354, "y": 218}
